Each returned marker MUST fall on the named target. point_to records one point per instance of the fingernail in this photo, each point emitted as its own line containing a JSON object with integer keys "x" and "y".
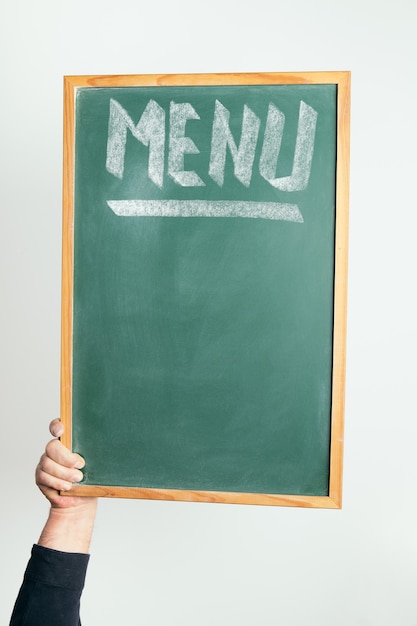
{"x": 80, "y": 461}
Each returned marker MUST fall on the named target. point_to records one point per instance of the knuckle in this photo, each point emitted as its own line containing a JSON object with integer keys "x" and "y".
{"x": 42, "y": 463}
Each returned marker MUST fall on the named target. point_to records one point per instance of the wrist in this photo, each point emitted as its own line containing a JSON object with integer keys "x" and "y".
{"x": 70, "y": 529}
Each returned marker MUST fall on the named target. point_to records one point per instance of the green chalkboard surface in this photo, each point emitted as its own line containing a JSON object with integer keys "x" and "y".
{"x": 200, "y": 232}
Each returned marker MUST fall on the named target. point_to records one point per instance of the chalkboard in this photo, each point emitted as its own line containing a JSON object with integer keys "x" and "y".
{"x": 204, "y": 285}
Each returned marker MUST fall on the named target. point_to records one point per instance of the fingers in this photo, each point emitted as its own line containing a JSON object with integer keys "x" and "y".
{"x": 58, "y": 467}
{"x": 53, "y": 473}
{"x": 56, "y": 451}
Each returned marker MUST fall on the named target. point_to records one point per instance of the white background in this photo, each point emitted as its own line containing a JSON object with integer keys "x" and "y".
{"x": 181, "y": 564}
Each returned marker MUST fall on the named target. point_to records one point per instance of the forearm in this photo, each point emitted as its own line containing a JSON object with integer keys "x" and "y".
{"x": 70, "y": 529}
{"x": 54, "y": 578}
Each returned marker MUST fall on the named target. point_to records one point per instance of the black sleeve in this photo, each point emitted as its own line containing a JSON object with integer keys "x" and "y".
{"x": 51, "y": 589}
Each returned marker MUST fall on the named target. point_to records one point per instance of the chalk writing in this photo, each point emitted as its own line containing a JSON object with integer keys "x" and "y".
{"x": 179, "y": 145}
{"x": 304, "y": 147}
{"x": 151, "y": 132}
{"x": 244, "y": 155}
{"x": 206, "y": 208}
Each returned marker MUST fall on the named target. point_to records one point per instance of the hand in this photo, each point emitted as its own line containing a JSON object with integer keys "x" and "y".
{"x": 57, "y": 469}
{"x": 71, "y": 518}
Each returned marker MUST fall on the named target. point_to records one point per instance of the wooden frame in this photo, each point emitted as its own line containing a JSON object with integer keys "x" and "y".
{"x": 342, "y": 80}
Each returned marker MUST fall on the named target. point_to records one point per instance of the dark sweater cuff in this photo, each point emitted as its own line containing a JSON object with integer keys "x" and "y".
{"x": 61, "y": 569}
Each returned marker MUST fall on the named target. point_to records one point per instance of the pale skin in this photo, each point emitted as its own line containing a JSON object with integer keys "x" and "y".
{"x": 71, "y": 518}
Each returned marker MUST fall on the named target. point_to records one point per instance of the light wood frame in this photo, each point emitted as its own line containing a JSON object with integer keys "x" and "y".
{"x": 342, "y": 80}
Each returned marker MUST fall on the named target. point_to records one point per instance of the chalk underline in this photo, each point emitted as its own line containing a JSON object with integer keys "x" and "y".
{"x": 206, "y": 208}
